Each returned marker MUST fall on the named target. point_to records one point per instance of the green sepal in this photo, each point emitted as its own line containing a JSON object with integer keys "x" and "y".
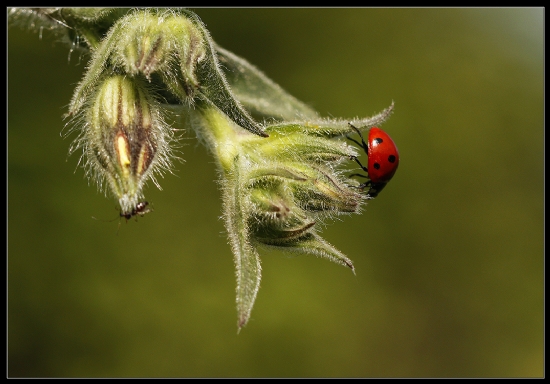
{"x": 325, "y": 192}
{"x": 214, "y": 87}
{"x": 247, "y": 260}
{"x": 259, "y": 94}
{"x": 313, "y": 244}
{"x": 331, "y": 128}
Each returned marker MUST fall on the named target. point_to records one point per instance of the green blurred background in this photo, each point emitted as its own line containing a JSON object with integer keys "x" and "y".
{"x": 449, "y": 257}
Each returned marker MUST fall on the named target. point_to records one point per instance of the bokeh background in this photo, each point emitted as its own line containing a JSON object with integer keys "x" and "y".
{"x": 449, "y": 257}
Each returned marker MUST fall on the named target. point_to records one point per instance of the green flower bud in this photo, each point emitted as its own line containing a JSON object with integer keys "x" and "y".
{"x": 143, "y": 46}
{"x": 313, "y": 187}
{"x": 326, "y": 191}
{"x": 275, "y": 218}
{"x": 166, "y": 43}
{"x": 278, "y": 187}
{"x": 173, "y": 50}
{"x": 125, "y": 139}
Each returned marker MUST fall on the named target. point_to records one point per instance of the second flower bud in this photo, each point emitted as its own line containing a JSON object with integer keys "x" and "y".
{"x": 126, "y": 138}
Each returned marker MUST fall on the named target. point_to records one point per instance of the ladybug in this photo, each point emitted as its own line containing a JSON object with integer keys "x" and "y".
{"x": 383, "y": 159}
{"x": 140, "y": 209}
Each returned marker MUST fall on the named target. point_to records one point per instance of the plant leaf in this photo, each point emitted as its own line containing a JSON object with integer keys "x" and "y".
{"x": 247, "y": 260}
{"x": 214, "y": 87}
{"x": 259, "y": 94}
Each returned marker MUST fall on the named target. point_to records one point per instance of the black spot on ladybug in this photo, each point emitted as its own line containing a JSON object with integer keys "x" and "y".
{"x": 391, "y": 158}
{"x": 378, "y": 140}
{"x": 376, "y": 166}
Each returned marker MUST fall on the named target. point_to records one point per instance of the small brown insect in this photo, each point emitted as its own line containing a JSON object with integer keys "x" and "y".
{"x": 141, "y": 209}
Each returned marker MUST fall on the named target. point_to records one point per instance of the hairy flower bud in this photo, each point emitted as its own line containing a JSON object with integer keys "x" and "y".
{"x": 124, "y": 139}
{"x": 173, "y": 50}
{"x": 166, "y": 43}
{"x": 276, "y": 219}
{"x": 277, "y": 188}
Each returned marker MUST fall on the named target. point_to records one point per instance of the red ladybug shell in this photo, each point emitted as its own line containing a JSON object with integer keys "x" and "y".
{"x": 383, "y": 156}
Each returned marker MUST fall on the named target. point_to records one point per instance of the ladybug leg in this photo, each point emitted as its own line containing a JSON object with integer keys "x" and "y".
{"x": 355, "y": 141}
{"x": 361, "y": 165}
{"x": 366, "y": 184}
{"x": 362, "y": 144}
